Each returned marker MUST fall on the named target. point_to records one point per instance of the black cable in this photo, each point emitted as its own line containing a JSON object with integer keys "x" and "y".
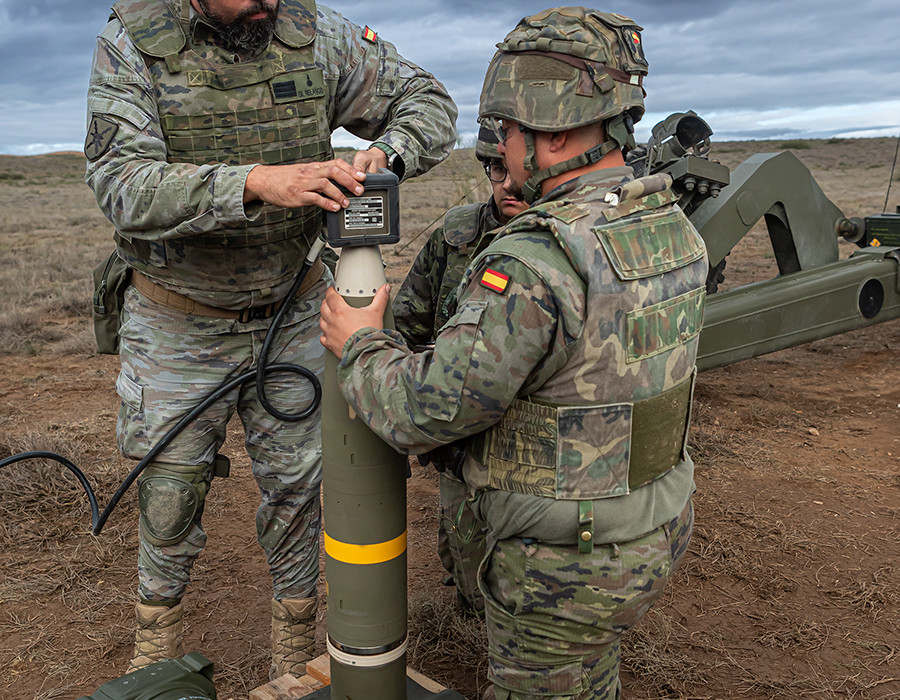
{"x": 92, "y": 500}
{"x": 264, "y": 355}
{"x": 259, "y": 373}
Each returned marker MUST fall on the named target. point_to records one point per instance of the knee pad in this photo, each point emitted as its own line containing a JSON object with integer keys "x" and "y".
{"x": 170, "y": 496}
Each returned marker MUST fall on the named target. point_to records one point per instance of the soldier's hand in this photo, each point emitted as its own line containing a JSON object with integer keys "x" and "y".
{"x": 370, "y": 160}
{"x": 446, "y": 458}
{"x": 303, "y": 184}
{"x": 340, "y": 320}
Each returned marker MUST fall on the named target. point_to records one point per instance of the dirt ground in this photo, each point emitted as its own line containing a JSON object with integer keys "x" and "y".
{"x": 790, "y": 589}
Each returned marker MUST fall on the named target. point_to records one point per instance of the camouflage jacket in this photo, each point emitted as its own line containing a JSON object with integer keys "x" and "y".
{"x": 180, "y": 218}
{"x": 520, "y": 331}
{"x": 427, "y": 297}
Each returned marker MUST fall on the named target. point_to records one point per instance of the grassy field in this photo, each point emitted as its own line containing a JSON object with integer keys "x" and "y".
{"x": 52, "y": 234}
{"x": 789, "y": 591}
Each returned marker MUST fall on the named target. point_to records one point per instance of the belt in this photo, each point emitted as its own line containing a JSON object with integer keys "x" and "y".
{"x": 173, "y": 300}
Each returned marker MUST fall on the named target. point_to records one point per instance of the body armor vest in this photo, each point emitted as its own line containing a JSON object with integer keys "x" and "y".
{"x": 614, "y": 417}
{"x": 269, "y": 109}
{"x": 465, "y": 233}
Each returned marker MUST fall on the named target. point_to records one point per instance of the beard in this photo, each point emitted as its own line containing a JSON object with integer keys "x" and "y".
{"x": 242, "y": 33}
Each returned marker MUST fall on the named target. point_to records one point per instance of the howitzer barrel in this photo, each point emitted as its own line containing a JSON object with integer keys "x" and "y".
{"x": 364, "y": 497}
{"x": 801, "y": 307}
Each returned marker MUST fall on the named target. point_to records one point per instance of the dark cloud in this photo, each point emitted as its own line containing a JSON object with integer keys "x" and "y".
{"x": 759, "y": 69}
{"x": 46, "y": 47}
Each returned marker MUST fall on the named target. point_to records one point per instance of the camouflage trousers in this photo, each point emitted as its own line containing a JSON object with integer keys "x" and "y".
{"x": 461, "y": 541}
{"x": 170, "y": 362}
{"x": 555, "y": 617}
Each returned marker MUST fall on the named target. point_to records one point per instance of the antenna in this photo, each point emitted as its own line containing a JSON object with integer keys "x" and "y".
{"x": 891, "y": 178}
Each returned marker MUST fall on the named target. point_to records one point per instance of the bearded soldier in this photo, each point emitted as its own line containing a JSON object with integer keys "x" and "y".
{"x": 209, "y": 148}
{"x": 423, "y": 304}
{"x": 567, "y": 366}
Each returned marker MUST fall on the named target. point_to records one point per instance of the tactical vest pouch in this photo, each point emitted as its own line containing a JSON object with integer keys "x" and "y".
{"x": 663, "y": 326}
{"x": 586, "y": 452}
{"x": 649, "y": 243}
{"x": 111, "y": 279}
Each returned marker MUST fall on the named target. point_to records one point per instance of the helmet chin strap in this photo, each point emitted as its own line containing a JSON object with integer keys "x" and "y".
{"x": 620, "y": 130}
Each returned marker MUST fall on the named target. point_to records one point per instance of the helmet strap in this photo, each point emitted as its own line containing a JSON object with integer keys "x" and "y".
{"x": 531, "y": 190}
{"x": 620, "y": 129}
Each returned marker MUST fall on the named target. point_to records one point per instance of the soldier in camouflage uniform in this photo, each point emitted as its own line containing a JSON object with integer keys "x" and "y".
{"x": 209, "y": 149}
{"x": 568, "y": 364}
{"x": 424, "y": 303}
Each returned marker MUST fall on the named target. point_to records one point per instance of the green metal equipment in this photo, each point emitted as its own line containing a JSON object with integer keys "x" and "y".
{"x": 815, "y": 294}
{"x": 189, "y": 677}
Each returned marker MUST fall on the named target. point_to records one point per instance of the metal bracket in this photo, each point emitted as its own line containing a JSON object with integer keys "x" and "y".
{"x": 895, "y": 255}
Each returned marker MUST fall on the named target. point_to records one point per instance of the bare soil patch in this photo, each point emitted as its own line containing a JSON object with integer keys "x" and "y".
{"x": 790, "y": 589}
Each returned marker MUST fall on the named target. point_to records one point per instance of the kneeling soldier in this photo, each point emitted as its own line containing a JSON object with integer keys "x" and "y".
{"x": 567, "y": 366}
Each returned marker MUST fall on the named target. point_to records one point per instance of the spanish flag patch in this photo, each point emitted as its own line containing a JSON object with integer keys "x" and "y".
{"x": 494, "y": 280}
{"x": 369, "y": 35}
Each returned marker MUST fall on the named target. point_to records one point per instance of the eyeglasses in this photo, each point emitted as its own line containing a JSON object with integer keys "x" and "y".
{"x": 495, "y": 171}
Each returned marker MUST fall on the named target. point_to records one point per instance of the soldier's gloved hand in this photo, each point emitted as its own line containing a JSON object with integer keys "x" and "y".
{"x": 636, "y": 158}
{"x": 446, "y": 458}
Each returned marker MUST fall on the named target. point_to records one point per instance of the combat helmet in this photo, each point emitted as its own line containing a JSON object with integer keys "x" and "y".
{"x": 564, "y": 68}
{"x": 486, "y": 145}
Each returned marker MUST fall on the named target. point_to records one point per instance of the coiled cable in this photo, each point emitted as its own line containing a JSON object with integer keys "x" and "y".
{"x": 258, "y": 374}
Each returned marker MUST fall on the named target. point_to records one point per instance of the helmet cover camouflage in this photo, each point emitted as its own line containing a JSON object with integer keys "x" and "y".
{"x": 564, "y": 68}
{"x": 486, "y": 145}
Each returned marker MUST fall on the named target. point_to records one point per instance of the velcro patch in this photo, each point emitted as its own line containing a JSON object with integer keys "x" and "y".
{"x": 633, "y": 41}
{"x": 300, "y": 85}
{"x": 494, "y": 280}
{"x": 369, "y": 35}
{"x": 99, "y": 136}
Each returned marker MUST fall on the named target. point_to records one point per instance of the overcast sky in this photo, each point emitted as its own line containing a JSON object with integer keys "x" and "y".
{"x": 753, "y": 69}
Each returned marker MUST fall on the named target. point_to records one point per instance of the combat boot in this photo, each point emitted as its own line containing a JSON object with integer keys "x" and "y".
{"x": 293, "y": 635}
{"x": 158, "y": 635}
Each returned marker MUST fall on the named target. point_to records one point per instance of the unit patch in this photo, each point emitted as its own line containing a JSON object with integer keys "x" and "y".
{"x": 302, "y": 85}
{"x": 369, "y": 35}
{"x": 495, "y": 281}
{"x": 99, "y": 136}
{"x": 633, "y": 41}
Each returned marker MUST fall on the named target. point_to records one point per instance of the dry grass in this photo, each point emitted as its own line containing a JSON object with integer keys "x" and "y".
{"x": 47, "y": 298}
{"x": 51, "y": 557}
{"x": 425, "y": 200}
{"x": 764, "y": 582}
{"x": 660, "y": 653}
{"x": 871, "y": 595}
{"x": 447, "y": 645}
{"x": 40, "y": 486}
{"x": 26, "y": 332}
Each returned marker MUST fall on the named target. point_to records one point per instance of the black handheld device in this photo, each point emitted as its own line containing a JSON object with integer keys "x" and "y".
{"x": 373, "y": 218}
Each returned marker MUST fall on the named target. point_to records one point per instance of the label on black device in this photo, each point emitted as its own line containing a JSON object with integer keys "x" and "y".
{"x": 365, "y": 212}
